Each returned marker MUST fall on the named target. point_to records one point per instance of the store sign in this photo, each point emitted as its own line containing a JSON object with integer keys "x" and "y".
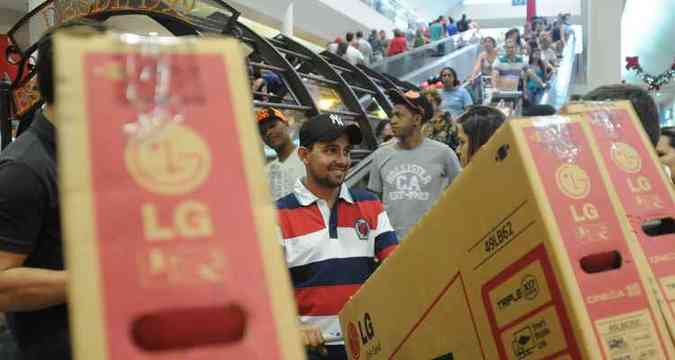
{"x": 518, "y": 2}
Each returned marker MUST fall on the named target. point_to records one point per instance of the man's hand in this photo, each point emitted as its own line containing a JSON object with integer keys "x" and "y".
{"x": 311, "y": 336}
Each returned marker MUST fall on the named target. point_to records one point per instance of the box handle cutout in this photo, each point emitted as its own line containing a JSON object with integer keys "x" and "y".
{"x": 659, "y": 227}
{"x": 601, "y": 262}
{"x": 187, "y": 328}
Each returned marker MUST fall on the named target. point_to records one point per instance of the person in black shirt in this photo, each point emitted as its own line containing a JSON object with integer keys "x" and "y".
{"x": 463, "y": 24}
{"x": 32, "y": 276}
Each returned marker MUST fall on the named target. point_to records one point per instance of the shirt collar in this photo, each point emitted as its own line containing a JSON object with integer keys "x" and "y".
{"x": 44, "y": 128}
{"x": 306, "y": 197}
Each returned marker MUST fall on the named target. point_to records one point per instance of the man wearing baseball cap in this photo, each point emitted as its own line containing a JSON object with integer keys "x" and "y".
{"x": 287, "y": 167}
{"x": 332, "y": 236}
{"x": 411, "y": 174}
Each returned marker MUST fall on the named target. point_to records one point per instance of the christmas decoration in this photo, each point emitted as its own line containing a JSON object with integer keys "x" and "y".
{"x": 653, "y": 82}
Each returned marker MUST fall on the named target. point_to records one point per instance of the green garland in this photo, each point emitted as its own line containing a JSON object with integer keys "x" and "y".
{"x": 653, "y": 82}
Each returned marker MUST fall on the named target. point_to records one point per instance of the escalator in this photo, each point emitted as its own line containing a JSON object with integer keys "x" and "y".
{"x": 462, "y": 60}
{"x": 419, "y": 64}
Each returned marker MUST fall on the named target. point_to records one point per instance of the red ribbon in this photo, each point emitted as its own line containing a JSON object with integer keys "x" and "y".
{"x": 633, "y": 62}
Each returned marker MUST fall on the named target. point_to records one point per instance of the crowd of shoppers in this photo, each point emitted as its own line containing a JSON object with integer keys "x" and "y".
{"x": 379, "y": 45}
{"x": 327, "y": 257}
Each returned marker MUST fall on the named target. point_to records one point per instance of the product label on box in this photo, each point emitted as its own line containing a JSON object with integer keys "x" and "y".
{"x": 589, "y": 227}
{"x": 641, "y": 188}
{"x": 173, "y": 216}
{"x": 629, "y": 336}
{"x": 520, "y": 294}
{"x": 526, "y": 311}
{"x": 538, "y": 337}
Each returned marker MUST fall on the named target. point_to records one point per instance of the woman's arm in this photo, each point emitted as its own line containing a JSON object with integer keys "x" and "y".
{"x": 476, "y": 67}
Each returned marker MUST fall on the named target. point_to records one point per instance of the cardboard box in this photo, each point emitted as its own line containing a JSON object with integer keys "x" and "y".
{"x": 524, "y": 257}
{"x": 168, "y": 221}
{"x": 641, "y": 188}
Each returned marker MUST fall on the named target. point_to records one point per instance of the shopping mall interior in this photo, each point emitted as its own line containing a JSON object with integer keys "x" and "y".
{"x": 447, "y": 148}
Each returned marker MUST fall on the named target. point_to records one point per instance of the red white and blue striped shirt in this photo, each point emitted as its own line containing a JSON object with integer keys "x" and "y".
{"x": 331, "y": 252}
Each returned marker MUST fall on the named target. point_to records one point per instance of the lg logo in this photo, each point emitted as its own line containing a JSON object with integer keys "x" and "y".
{"x": 366, "y": 331}
{"x": 361, "y": 334}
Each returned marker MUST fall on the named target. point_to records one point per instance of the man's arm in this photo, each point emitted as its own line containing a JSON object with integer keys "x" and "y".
{"x": 22, "y": 207}
{"x": 496, "y": 79}
{"x": 468, "y": 100}
{"x": 28, "y": 289}
{"x": 386, "y": 241}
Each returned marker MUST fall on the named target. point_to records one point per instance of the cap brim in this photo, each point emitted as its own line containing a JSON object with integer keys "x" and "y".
{"x": 425, "y": 109}
{"x": 397, "y": 98}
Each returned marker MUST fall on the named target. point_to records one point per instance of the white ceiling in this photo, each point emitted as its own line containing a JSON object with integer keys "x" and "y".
{"x": 431, "y": 9}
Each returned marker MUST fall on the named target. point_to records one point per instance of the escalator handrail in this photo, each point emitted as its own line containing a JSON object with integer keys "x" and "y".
{"x": 358, "y": 172}
{"x": 563, "y": 78}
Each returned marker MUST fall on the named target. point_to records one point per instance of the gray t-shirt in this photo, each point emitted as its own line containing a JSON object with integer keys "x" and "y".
{"x": 410, "y": 181}
{"x": 283, "y": 175}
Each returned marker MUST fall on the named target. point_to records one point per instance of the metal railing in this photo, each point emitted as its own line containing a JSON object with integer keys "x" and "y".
{"x": 405, "y": 63}
{"x": 558, "y": 93}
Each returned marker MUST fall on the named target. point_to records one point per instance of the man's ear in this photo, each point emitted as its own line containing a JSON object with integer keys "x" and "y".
{"x": 303, "y": 153}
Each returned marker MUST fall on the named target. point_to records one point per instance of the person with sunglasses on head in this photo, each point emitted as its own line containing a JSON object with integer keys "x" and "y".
{"x": 441, "y": 127}
{"x": 411, "y": 173}
{"x": 486, "y": 59}
{"x": 287, "y": 168}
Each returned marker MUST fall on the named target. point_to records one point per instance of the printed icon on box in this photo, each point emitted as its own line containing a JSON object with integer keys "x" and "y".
{"x": 523, "y": 343}
{"x": 573, "y": 181}
{"x": 529, "y": 287}
{"x": 175, "y": 161}
{"x": 626, "y": 157}
{"x": 617, "y": 344}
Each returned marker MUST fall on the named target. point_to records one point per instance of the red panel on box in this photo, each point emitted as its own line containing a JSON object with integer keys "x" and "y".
{"x": 586, "y": 219}
{"x": 174, "y": 222}
{"x": 536, "y": 255}
{"x": 639, "y": 183}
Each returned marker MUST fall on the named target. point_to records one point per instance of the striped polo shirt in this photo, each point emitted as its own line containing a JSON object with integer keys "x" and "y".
{"x": 331, "y": 252}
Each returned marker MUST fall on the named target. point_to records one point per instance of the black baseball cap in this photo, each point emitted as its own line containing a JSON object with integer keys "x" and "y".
{"x": 327, "y": 127}
{"x": 413, "y": 101}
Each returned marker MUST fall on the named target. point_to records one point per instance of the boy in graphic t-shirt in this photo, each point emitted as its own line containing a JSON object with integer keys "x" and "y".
{"x": 411, "y": 174}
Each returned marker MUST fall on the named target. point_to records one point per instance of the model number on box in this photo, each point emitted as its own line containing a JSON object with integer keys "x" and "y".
{"x": 499, "y": 237}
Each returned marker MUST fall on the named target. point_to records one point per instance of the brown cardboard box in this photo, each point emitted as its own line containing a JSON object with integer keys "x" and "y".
{"x": 642, "y": 190}
{"x": 533, "y": 264}
{"x": 168, "y": 222}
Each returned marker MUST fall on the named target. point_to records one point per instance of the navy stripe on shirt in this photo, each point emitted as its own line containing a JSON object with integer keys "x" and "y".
{"x": 354, "y": 270}
{"x": 385, "y": 240}
{"x": 288, "y": 202}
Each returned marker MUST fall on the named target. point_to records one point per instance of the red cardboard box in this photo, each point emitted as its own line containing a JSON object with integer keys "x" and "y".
{"x": 169, "y": 225}
{"x": 641, "y": 188}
